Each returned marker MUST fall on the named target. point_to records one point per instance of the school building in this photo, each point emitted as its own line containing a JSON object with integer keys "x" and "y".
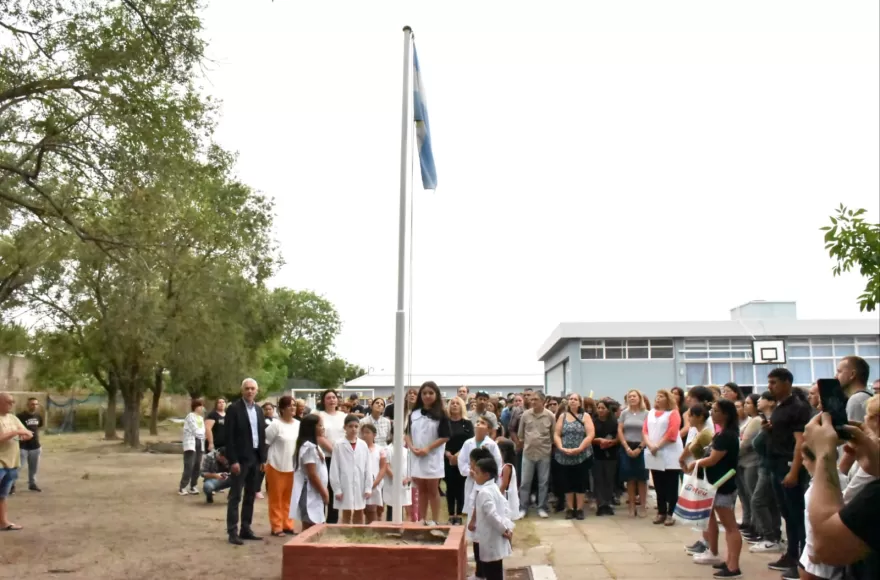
{"x": 609, "y": 358}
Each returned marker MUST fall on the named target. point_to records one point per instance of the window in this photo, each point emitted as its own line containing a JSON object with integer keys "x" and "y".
{"x": 719, "y": 373}
{"x": 815, "y": 358}
{"x": 697, "y": 374}
{"x": 621, "y": 349}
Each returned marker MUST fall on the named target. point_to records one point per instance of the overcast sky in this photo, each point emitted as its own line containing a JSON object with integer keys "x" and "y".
{"x": 596, "y": 160}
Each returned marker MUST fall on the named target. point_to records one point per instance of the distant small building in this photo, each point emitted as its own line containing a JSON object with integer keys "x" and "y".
{"x": 14, "y": 369}
{"x": 383, "y": 385}
{"x": 610, "y": 358}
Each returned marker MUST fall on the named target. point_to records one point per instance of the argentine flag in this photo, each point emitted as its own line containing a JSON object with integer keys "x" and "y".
{"x": 423, "y": 128}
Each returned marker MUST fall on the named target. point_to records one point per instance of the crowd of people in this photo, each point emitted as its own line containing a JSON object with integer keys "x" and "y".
{"x": 496, "y": 458}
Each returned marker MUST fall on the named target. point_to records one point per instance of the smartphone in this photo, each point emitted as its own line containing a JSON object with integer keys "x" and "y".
{"x": 834, "y": 403}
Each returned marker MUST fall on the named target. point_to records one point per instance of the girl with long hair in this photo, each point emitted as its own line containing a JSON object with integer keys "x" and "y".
{"x": 426, "y": 435}
{"x": 310, "y": 479}
{"x": 333, "y": 420}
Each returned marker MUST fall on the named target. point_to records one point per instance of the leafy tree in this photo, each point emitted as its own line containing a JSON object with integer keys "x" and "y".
{"x": 854, "y": 242}
{"x": 310, "y": 324}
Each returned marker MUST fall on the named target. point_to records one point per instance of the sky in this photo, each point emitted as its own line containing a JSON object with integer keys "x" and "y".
{"x": 597, "y": 161}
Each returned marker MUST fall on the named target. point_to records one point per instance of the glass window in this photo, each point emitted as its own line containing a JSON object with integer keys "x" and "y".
{"x": 719, "y": 354}
{"x": 637, "y": 352}
{"x": 823, "y": 368}
{"x": 696, "y": 355}
{"x": 694, "y": 343}
{"x": 742, "y": 355}
{"x": 719, "y": 342}
{"x": 720, "y": 373}
{"x": 637, "y": 343}
{"x": 614, "y": 353}
{"x": 697, "y": 373}
{"x": 821, "y": 340}
{"x": 869, "y": 350}
{"x": 741, "y": 343}
{"x": 800, "y": 368}
{"x": 661, "y": 342}
{"x": 819, "y": 350}
{"x": 591, "y": 353}
{"x": 798, "y": 351}
{"x": 844, "y": 340}
{"x": 591, "y": 342}
{"x": 661, "y": 351}
{"x": 742, "y": 374}
{"x": 615, "y": 343}
{"x": 874, "y": 363}
{"x": 842, "y": 350}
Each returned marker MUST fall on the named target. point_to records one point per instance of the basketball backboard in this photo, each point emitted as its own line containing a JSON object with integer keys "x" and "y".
{"x": 766, "y": 352}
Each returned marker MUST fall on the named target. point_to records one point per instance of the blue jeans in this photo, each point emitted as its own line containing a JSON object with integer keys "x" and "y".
{"x": 7, "y": 480}
{"x": 765, "y": 508}
{"x": 529, "y": 468}
{"x": 792, "y": 505}
{"x": 213, "y": 485}
{"x": 31, "y": 458}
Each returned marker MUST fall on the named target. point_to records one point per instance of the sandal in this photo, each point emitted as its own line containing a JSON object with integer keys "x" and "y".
{"x": 11, "y": 528}
{"x": 279, "y": 534}
{"x": 288, "y": 532}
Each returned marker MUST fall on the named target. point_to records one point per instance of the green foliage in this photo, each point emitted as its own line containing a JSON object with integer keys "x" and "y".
{"x": 854, "y": 242}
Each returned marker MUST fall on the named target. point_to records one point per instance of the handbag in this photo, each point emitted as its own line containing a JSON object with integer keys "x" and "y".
{"x": 695, "y": 501}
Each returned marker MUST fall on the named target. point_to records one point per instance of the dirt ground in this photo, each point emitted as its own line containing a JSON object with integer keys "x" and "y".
{"x": 110, "y": 513}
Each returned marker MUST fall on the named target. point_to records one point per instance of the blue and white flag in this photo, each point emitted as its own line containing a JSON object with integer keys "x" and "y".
{"x": 423, "y": 128}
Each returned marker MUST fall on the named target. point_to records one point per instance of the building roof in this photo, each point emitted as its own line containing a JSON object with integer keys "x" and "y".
{"x": 371, "y": 381}
{"x": 769, "y": 328}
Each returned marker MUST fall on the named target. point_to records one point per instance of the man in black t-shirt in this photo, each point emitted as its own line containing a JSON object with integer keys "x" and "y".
{"x": 785, "y": 439}
{"x": 356, "y": 408}
{"x": 31, "y": 450}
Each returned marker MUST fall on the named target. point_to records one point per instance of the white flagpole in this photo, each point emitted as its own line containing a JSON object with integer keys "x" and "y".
{"x": 406, "y": 130}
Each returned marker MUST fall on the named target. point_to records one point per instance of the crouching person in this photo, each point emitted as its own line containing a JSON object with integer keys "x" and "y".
{"x": 215, "y": 473}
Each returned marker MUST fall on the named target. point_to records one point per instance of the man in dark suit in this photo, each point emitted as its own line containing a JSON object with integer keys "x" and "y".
{"x": 246, "y": 454}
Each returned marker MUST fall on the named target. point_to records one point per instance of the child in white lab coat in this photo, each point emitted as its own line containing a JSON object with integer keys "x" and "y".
{"x": 350, "y": 476}
{"x": 472, "y": 488}
{"x": 377, "y": 472}
{"x": 490, "y": 525}
{"x": 388, "y": 485}
{"x": 480, "y": 440}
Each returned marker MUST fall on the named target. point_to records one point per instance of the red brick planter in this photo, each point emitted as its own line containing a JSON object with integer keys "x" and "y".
{"x": 305, "y": 557}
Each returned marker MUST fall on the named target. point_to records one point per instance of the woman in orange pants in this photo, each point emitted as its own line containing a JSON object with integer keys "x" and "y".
{"x": 281, "y": 438}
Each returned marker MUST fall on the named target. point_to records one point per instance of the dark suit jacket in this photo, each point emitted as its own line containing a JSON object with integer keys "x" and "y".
{"x": 239, "y": 438}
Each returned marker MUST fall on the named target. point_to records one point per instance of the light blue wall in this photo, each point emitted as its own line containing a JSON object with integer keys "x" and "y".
{"x": 570, "y": 351}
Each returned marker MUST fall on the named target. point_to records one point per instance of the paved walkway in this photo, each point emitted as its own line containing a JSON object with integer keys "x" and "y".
{"x": 624, "y": 547}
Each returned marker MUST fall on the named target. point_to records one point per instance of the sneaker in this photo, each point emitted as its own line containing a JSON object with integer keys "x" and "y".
{"x": 783, "y": 564}
{"x": 182, "y": 491}
{"x": 260, "y": 495}
{"x": 543, "y": 514}
{"x": 34, "y": 487}
{"x": 725, "y": 573}
{"x": 765, "y": 547}
{"x": 721, "y": 566}
{"x": 579, "y": 514}
{"x": 430, "y": 523}
{"x": 753, "y": 538}
{"x": 193, "y": 491}
{"x": 569, "y": 514}
{"x": 523, "y": 513}
{"x": 707, "y": 558}
{"x": 697, "y": 547}
{"x": 791, "y": 574}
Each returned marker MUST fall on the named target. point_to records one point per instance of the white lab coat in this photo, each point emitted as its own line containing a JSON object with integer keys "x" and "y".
{"x": 492, "y": 522}
{"x": 350, "y": 474}
{"x": 512, "y": 495}
{"x": 667, "y": 456}
{"x": 464, "y": 467}
{"x": 423, "y": 432}
{"x": 376, "y": 454}
{"x": 388, "y": 483}
{"x": 309, "y": 453}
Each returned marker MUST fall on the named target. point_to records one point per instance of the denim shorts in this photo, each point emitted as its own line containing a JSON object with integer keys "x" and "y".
{"x": 725, "y": 500}
{"x": 7, "y": 480}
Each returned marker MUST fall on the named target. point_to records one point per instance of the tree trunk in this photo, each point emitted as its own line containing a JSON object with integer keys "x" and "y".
{"x": 110, "y": 419}
{"x": 131, "y": 416}
{"x": 158, "y": 386}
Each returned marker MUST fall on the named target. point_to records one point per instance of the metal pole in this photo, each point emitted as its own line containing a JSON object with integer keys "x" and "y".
{"x": 400, "y": 315}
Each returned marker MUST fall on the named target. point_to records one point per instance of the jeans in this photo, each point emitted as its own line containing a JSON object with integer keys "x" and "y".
{"x": 7, "y": 480}
{"x": 192, "y": 462}
{"x": 793, "y": 507}
{"x": 211, "y": 486}
{"x": 530, "y": 466}
{"x": 666, "y": 487}
{"x": 31, "y": 458}
{"x": 746, "y": 480}
{"x": 764, "y": 508}
{"x": 245, "y": 480}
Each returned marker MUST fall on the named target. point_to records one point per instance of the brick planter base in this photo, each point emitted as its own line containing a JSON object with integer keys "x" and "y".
{"x": 305, "y": 557}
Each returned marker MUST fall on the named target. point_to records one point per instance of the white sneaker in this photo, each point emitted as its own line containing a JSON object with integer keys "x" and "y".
{"x": 543, "y": 514}
{"x": 523, "y": 513}
{"x": 765, "y": 548}
{"x": 182, "y": 491}
{"x": 193, "y": 491}
{"x": 430, "y": 523}
{"x": 707, "y": 558}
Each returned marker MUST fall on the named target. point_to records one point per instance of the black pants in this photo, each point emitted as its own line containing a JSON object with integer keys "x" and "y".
{"x": 666, "y": 486}
{"x": 332, "y": 513}
{"x": 247, "y": 480}
{"x": 487, "y": 570}
{"x": 454, "y": 490}
{"x": 792, "y": 506}
{"x": 604, "y": 474}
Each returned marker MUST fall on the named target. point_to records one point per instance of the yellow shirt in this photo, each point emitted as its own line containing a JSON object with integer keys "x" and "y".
{"x": 10, "y": 457}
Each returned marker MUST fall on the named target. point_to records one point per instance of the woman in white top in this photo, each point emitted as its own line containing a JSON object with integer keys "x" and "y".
{"x": 663, "y": 445}
{"x": 193, "y": 445}
{"x": 426, "y": 436}
{"x": 334, "y": 430}
{"x": 381, "y": 423}
{"x": 281, "y": 435}
{"x": 310, "y": 493}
